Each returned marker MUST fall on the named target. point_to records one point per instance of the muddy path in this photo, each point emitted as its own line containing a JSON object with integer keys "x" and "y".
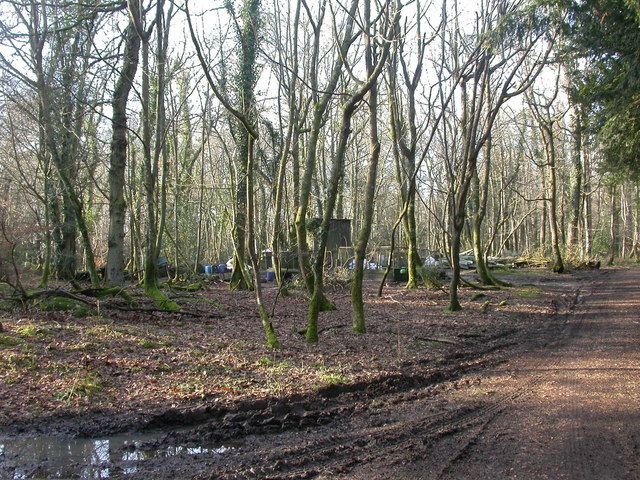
{"x": 554, "y": 399}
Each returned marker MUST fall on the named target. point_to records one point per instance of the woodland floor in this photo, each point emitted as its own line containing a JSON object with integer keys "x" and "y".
{"x": 544, "y": 384}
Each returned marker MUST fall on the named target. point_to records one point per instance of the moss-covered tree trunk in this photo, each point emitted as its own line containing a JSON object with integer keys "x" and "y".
{"x": 61, "y": 118}
{"x": 317, "y": 298}
{"x": 404, "y": 133}
{"x": 151, "y": 154}
{"x": 46, "y": 167}
{"x": 544, "y": 221}
{"x": 239, "y": 276}
{"x": 357, "y": 303}
{"x": 291, "y": 136}
{"x": 249, "y": 29}
{"x": 478, "y": 202}
{"x": 66, "y": 251}
{"x": 269, "y": 332}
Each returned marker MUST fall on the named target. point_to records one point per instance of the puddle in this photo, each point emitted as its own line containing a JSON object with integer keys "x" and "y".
{"x": 87, "y": 458}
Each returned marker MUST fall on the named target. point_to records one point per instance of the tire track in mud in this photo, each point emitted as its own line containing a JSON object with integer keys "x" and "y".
{"x": 338, "y": 450}
{"x": 579, "y": 451}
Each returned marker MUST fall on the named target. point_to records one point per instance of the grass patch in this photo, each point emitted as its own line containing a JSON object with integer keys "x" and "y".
{"x": 105, "y": 332}
{"x": 60, "y": 368}
{"x": 27, "y": 331}
{"x": 8, "y": 342}
{"x": 332, "y": 378}
{"x": 526, "y": 272}
{"x": 85, "y": 347}
{"x": 20, "y": 362}
{"x": 150, "y": 344}
{"x": 30, "y": 331}
{"x": 330, "y": 375}
{"x": 191, "y": 388}
{"x": 85, "y": 386}
{"x": 274, "y": 365}
{"x": 528, "y": 292}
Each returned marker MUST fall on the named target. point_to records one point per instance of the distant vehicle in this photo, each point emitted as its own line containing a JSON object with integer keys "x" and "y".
{"x": 367, "y": 265}
{"x": 438, "y": 260}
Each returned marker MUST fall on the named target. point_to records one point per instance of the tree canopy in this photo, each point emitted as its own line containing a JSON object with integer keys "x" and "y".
{"x": 605, "y": 35}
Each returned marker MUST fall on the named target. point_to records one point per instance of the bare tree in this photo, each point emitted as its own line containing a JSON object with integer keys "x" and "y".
{"x": 547, "y": 117}
{"x": 118, "y": 157}
{"x": 508, "y": 75}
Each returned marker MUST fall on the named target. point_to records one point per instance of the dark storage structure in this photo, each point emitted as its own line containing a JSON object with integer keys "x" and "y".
{"x": 339, "y": 234}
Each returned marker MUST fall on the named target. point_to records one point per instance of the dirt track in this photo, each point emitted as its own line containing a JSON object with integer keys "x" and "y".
{"x": 556, "y": 397}
{"x": 571, "y": 410}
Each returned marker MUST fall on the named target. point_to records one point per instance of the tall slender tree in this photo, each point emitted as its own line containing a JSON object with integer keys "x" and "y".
{"x": 118, "y": 156}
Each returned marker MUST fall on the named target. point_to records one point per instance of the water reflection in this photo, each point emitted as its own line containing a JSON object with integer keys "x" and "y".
{"x": 54, "y": 457}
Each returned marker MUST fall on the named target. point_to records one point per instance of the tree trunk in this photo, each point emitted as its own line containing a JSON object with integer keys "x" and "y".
{"x": 587, "y": 207}
{"x": 576, "y": 178}
{"x": 196, "y": 262}
{"x": 614, "y": 230}
{"x": 558, "y": 264}
{"x": 118, "y": 157}
{"x": 454, "y": 302}
{"x": 46, "y": 267}
{"x": 63, "y": 155}
{"x": 315, "y": 304}
{"x": 542, "y": 242}
{"x": 337, "y": 171}
{"x": 239, "y": 276}
{"x": 319, "y": 108}
{"x": 357, "y": 303}
{"x": 267, "y": 326}
{"x": 155, "y": 213}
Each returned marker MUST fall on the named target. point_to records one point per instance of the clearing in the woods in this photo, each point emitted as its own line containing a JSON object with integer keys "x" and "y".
{"x": 539, "y": 380}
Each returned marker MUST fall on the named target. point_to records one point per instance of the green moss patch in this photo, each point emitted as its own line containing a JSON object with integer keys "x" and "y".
{"x": 63, "y": 304}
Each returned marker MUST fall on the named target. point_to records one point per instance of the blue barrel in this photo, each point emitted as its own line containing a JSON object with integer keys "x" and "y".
{"x": 221, "y": 268}
{"x": 208, "y": 269}
{"x": 271, "y": 276}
